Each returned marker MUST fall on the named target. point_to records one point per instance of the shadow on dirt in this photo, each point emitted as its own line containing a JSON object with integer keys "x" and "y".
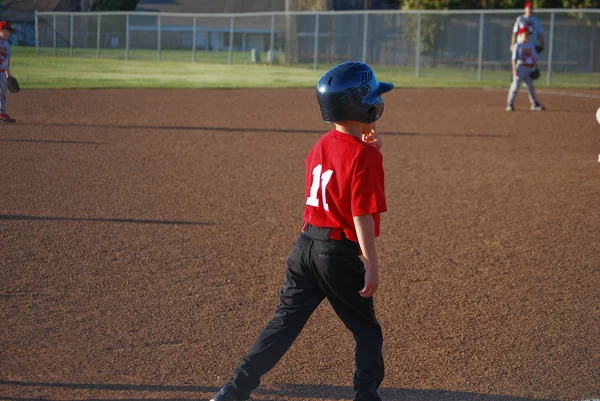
{"x": 50, "y": 141}
{"x": 20, "y": 217}
{"x": 247, "y": 129}
{"x": 284, "y": 390}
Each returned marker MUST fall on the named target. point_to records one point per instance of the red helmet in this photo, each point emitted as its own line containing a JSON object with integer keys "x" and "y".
{"x": 524, "y": 30}
{"x": 5, "y": 25}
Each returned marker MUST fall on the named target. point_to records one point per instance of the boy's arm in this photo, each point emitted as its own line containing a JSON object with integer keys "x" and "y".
{"x": 540, "y": 31}
{"x": 513, "y": 38}
{"x": 365, "y": 230}
{"x": 514, "y": 61}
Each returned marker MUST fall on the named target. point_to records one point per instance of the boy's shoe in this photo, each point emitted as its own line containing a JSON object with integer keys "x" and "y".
{"x": 5, "y": 118}
{"x": 227, "y": 393}
{"x": 537, "y": 107}
{"x": 510, "y": 107}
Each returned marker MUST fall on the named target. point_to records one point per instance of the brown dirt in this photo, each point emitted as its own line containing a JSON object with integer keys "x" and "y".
{"x": 143, "y": 238}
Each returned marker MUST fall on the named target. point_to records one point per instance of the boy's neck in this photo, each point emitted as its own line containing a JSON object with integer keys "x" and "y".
{"x": 350, "y": 129}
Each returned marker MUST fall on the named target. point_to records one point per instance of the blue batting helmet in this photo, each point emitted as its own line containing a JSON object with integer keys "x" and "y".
{"x": 350, "y": 92}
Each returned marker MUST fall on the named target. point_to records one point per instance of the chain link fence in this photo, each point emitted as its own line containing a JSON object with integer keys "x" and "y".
{"x": 465, "y": 44}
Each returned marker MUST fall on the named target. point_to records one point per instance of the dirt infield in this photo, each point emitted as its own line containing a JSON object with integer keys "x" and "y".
{"x": 143, "y": 238}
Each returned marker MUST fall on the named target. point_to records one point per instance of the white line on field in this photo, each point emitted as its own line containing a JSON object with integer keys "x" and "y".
{"x": 550, "y": 92}
{"x": 543, "y": 91}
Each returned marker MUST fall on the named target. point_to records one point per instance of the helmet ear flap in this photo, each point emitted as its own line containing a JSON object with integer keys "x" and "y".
{"x": 376, "y": 111}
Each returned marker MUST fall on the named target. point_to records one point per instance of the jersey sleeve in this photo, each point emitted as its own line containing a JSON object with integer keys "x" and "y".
{"x": 516, "y": 26}
{"x": 368, "y": 187}
{"x": 515, "y": 53}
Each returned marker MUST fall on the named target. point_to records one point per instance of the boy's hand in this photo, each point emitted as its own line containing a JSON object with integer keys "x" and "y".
{"x": 371, "y": 281}
{"x": 373, "y": 139}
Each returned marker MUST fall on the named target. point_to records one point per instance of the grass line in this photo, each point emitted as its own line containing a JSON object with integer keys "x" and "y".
{"x": 46, "y": 71}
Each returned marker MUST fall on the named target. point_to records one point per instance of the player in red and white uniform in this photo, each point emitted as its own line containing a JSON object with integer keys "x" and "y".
{"x": 524, "y": 59}
{"x": 5, "y": 54}
{"x": 344, "y": 198}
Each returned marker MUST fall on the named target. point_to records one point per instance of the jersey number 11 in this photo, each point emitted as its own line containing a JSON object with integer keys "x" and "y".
{"x": 319, "y": 180}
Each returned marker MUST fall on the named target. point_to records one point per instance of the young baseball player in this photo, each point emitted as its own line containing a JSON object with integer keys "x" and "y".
{"x": 5, "y": 54}
{"x": 344, "y": 198}
{"x": 524, "y": 57}
{"x": 531, "y": 22}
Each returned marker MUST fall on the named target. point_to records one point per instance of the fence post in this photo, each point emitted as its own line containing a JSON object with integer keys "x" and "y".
{"x": 229, "y": 58}
{"x": 54, "y": 31}
{"x": 71, "y": 36}
{"x": 98, "y": 36}
{"x": 272, "y": 40}
{"x": 316, "y": 44}
{"x": 194, "y": 39}
{"x": 418, "y": 56}
{"x": 159, "y": 35}
{"x": 37, "y": 34}
{"x": 365, "y": 30}
{"x": 550, "y": 50}
{"x": 480, "y": 51}
{"x": 127, "y": 44}
{"x": 593, "y": 46}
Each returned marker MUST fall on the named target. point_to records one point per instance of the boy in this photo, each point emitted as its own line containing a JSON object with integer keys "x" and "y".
{"x": 524, "y": 58}
{"x": 5, "y": 53}
{"x": 345, "y": 195}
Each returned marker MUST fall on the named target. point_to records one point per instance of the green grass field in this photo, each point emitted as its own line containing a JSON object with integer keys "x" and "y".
{"x": 175, "y": 70}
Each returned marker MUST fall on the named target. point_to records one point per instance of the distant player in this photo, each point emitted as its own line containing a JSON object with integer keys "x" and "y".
{"x": 344, "y": 198}
{"x": 5, "y": 54}
{"x": 524, "y": 58}
{"x": 532, "y": 23}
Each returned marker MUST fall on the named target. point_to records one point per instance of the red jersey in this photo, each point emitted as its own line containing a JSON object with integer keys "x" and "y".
{"x": 344, "y": 178}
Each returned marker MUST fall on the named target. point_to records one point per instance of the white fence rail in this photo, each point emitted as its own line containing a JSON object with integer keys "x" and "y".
{"x": 428, "y": 42}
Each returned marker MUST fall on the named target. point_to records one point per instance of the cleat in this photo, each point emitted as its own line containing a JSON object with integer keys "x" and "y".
{"x": 227, "y": 393}
{"x": 510, "y": 107}
{"x": 5, "y": 118}
{"x": 537, "y": 107}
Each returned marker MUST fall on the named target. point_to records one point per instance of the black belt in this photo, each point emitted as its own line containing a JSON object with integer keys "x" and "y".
{"x": 323, "y": 234}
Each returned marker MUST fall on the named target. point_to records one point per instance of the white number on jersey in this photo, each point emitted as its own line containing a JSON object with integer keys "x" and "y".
{"x": 319, "y": 180}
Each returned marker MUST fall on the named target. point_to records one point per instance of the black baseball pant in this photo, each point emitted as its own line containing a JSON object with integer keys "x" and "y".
{"x": 318, "y": 267}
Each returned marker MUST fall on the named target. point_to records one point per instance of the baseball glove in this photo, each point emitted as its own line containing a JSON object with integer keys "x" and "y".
{"x": 539, "y": 49}
{"x": 535, "y": 73}
{"x": 12, "y": 84}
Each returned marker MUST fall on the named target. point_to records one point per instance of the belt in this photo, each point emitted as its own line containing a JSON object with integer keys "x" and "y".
{"x": 321, "y": 233}
{"x": 527, "y": 65}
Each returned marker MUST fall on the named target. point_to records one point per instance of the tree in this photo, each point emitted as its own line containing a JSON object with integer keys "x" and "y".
{"x": 114, "y": 5}
{"x": 581, "y": 3}
{"x": 494, "y": 4}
